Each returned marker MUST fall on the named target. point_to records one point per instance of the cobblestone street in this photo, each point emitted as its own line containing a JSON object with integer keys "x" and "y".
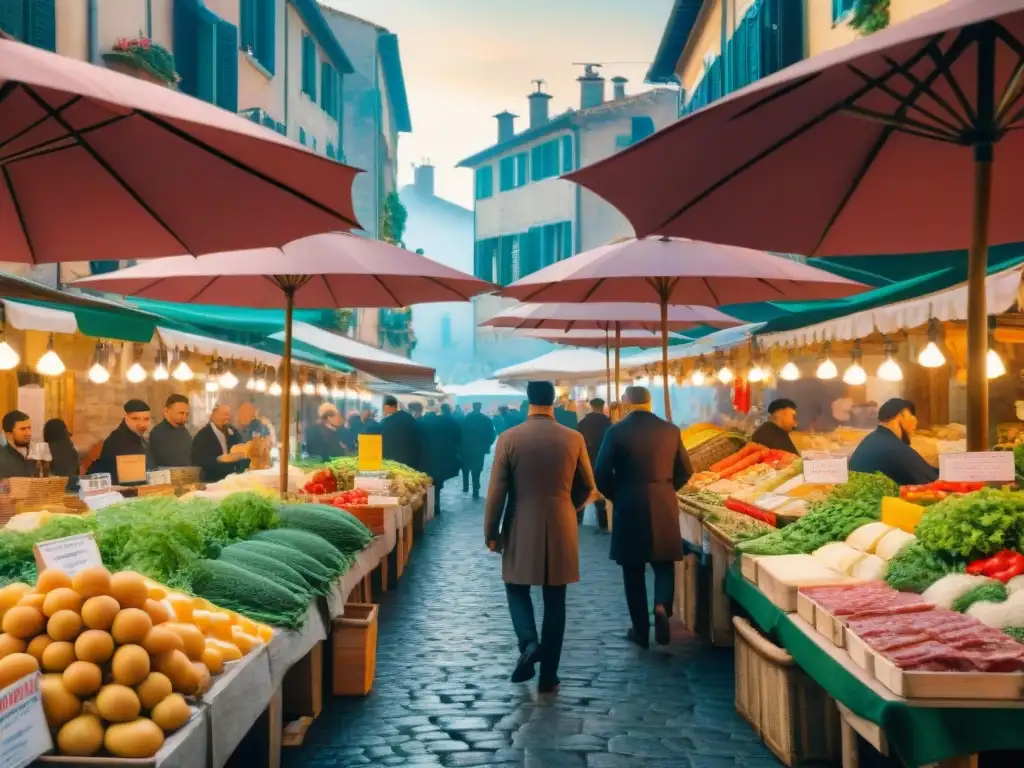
{"x": 443, "y": 698}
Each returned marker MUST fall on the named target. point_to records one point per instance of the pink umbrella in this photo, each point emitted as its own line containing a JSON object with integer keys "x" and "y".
{"x": 678, "y": 271}
{"x": 885, "y": 145}
{"x": 326, "y": 271}
{"x": 102, "y": 166}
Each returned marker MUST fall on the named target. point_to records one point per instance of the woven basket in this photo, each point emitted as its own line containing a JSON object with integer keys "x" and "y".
{"x": 38, "y": 490}
{"x": 714, "y": 450}
{"x": 183, "y": 475}
{"x": 794, "y": 716}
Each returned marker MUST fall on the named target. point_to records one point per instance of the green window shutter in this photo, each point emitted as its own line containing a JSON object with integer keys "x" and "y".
{"x": 227, "y": 65}
{"x": 507, "y": 174}
{"x": 640, "y": 128}
{"x": 484, "y": 182}
{"x": 566, "y": 250}
{"x": 537, "y": 163}
{"x": 42, "y": 24}
{"x": 568, "y": 159}
{"x": 302, "y": 136}
{"x": 12, "y": 18}
{"x": 309, "y": 67}
{"x": 206, "y": 47}
{"x": 522, "y": 169}
{"x": 266, "y": 33}
{"x": 313, "y": 145}
{"x": 325, "y": 86}
{"x": 185, "y": 43}
{"x": 247, "y": 11}
{"x": 330, "y": 150}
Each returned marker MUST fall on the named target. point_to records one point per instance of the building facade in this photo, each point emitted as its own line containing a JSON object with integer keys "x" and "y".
{"x": 527, "y": 217}
{"x": 713, "y": 47}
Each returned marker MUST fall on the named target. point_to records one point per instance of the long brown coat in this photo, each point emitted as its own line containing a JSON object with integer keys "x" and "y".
{"x": 541, "y": 476}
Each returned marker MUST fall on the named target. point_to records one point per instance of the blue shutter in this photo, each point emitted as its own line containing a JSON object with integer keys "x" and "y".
{"x": 12, "y": 18}
{"x": 521, "y": 169}
{"x": 507, "y": 174}
{"x": 325, "y": 86}
{"x": 227, "y": 66}
{"x": 247, "y": 26}
{"x": 568, "y": 159}
{"x": 537, "y": 163}
{"x": 309, "y": 67}
{"x": 531, "y": 255}
{"x": 302, "y": 136}
{"x": 266, "y": 33}
{"x": 206, "y": 47}
{"x": 330, "y": 150}
{"x": 42, "y": 20}
{"x": 640, "y": 128}
{"x": 185, "y": 44}
{"x": 566, "y": 250}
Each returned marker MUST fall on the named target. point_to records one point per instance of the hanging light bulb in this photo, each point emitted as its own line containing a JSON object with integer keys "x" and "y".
{"x": 274, "y": 390}
{"x": 826, "y": 368}
{"x": 295, "y": 389}
{"x": 160, "y": 372}
{"x": 135, "y": 374}
{"x": 308, "y": 387}
{"x": 181, "y": 370}
{"x": 50, "y": 363}
{"x": 98, "y": 373}
{"x": 251, "y": 383}
{"x": 790, "y": 371}
{"x": 212, "y": 385}
{"x": 213, "y": 374}
{"x": 890, "y": 370}
{"x": 261, "y": 380}
{"x": 270, "y": 381}
{"x": 994, "y": 367}
{"x": 337, "y": 393}
{"x": 227, "y": 379}
{"x": 855, "y": 375}
{"x": 725, "y": 374}
{"x": 8, "y": 357}
{"x": 321, "y": 387}
{"x": 698, "y": 378}
{"x": 931, "y": 356}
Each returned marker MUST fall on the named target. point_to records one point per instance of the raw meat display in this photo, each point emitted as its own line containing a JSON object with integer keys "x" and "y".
{"x": 874, "y": 598}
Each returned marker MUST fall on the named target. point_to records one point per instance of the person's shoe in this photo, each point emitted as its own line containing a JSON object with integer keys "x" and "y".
{"x": 549, "y": 686}
{"x": 662, "y": 630}
{"x": 637, "y": 639}
{"x": 525, "y": 666}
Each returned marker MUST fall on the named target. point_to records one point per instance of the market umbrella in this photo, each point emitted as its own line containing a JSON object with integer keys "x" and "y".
{"x": 97, "y": 165}
{"x": 672, "y": 270}
{"x": 885, "y": 145}
{"x": 608, "y": 316}
{"x": 330, "y": 270}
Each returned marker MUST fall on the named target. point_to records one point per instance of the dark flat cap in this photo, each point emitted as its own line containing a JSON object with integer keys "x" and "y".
{"x": 597, "y": 402}
{"x": 136, "y": 406}
{"x": 892, "y": 408}
{"x": 781, "y": 404}
{"x": 637, "y": 395}
{"x": 540, "y": 393}
{"x": 390, "y": 401}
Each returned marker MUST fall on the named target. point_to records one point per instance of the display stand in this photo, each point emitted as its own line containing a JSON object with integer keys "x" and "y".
{"x": 235, "y": 701}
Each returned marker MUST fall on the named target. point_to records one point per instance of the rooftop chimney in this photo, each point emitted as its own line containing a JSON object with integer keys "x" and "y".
{"x": 591, "y": 86}
{"x": 619, "y": 87}
{"x": 423, "y": 178}
{"x": 539, "y": 102}
{"x": 506, "y": 126}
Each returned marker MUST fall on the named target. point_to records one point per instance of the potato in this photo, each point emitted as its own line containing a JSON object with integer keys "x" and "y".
{"x": 92, "y": 582}
{"x": 61, "y": 599}
{"x": 131, "y": 626}
{"x": 51, "y": 579}
{"x": 158, "y": 611}
{"x": 99, "y": 612}
{"x": 130, "y": 665}
{"x": 160, "y": 640}
{"x": 15, "y": 666}
{"x": 81, "y": 736}
{"x": 23, "y": 622}
{"x": 178, "y": 668}
{"x": 33, "y": 600}
{"x": 38, "y": 644}
{"x": 58, "y": 656}
{"x": 10, "y": 644}
{"x": 171, "y": 713}
{"x": 59, "y": 704}
{"x": 139, "y": 739}
{"x": 118, "y": 704}
{"x": 94, "y": 645}
{"x": 11, "y": 594}
{"x": 154, "y": 689}
{"x": 83, "y": 678}
{"x": 64, "y": 625}
{"x": 129, "y": 589}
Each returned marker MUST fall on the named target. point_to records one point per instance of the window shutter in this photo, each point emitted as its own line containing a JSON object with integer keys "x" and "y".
{"x": 507, "y": 174}
{"x": 325, "y": 86}
{"x": 330, "y": 150}
{"x": 566, "y": 251}
{"x": 568, "y": 160}
{"x": 266, "y": 33}
{"x": 531, "y": 256}
{"x": 302, "y": 136}
{"x": 309, "y": 67}
{"x": 206, "y": 46}
{"x": 227, "y": 66}
{"x": 12, "y": 18}
{"x": 185, "y": 40}
{"x": 42, "y": 19}
{"x": 521, "y": 169}
{"x": 247, "y": 11}
{"x": 640, "y": 128}
{"x": 536, "y": 163}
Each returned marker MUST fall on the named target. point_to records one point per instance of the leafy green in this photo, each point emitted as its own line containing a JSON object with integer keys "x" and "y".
{"x": 830, "y": 520}
{"x": 246, "y": 514}
{"x": 1018, "y": 458}
{"x": 915, "y": 568}
{"x": 1017, "y": 633}
{"x": 993, "y": 591}
{"x": 862, "y": 486}
{"x": 238, "y": 589}
{"x": 974, "y": 526}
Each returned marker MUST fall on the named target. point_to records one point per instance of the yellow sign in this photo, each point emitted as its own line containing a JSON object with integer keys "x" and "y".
{"x": 371, "y": 453}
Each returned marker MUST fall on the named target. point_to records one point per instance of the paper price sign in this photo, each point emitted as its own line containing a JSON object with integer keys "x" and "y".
{"x": 981, "y": 467}
{"x": 364, "y": 483}
{"x": 826, "y": 469}
{"x": 91, "y": 484}
{"x": 159, "y": 477}
{"x": 382, "y": 501}
{"x": 70, "y": 554}
{"x": 371, "y": 452}
{"x": 24, "y": 735}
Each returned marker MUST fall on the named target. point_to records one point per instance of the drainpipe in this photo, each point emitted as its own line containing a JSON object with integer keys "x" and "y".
{"x": 377, "y": 133}
{"x": 93, "y": 31}
{"x": 579, "y": 190}
{"x": 725, "y": 36}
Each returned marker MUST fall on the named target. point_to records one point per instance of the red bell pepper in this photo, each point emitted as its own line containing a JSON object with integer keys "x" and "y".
{"x": 750, "y": 511}
{"x": 998, "y": 563}
{"x": 1016, "y": 568}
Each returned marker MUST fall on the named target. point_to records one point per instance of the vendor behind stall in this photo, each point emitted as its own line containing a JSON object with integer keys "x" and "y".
{"x": 218, "y": 450}
{"x": 887, "y": 449}
{"x": 774, "y": 433}
{"x": 14, "y": 460}
{"x": 129, "y": 439}
{"x": 171, "y": 442}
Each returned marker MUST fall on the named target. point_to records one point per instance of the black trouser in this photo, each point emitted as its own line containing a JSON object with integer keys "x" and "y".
{"x": 634, "y": 580}
{"x": 475, "y": 473}
{"x": 520, "y": 607}
{"x": 601, "y": 507}
{"x": 437, "y": 496}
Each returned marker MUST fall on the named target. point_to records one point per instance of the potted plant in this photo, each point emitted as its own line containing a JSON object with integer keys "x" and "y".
{"x": 141, "y": 57}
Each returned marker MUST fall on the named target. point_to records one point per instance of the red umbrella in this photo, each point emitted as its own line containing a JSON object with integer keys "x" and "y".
{"x": 607, "y": 316}
{"x": 97, "y": 165}
{"x": 326, "y": 271}
{"x": 885, "y": 145}
{"x": 678, "y": 271}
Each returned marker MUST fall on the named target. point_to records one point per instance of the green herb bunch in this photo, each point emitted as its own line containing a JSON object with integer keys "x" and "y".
{"x": 916, "y": 568}
{"x": 974, "y": 526}
{"x": 830, "y": 520}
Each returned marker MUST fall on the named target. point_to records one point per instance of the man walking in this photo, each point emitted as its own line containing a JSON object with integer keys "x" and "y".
{"x": 641, "y": 465}
{"x": 541, "y": 476}
{"x": 442, "y": 445}
{"x": 402, "y": 437}
{"x": 592, "y": 427}
{"x": 477, "y": 439}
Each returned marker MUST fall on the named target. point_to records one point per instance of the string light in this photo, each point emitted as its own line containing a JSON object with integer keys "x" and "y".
{"x": 227, "y": 379}
{"x": 182, "y": 372}
{"x": 308, "y": 387}
{"x": 261, "y": 380}
{"x": 50, "y": 363}
{"x": 790, "y": 371}
{"x": 136, "y": 374}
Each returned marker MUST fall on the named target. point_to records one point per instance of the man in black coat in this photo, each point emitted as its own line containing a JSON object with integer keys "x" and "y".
{"x": 170, "y": 440}
{"x": 641, "y": 465}
{"x": 14, "y": 461}
{"x": 129, "y": 439}
{"x": 212, "y": 448}
{"x": 442, "y": 441}
{"x": 477, "y": 439}
{"x": 402, "y": 437}
{"x": 328, "y": 438}
{"x": 592, "y": 427}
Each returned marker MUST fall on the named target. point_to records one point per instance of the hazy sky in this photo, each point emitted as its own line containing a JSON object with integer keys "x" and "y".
{"x": 466, "y": 60}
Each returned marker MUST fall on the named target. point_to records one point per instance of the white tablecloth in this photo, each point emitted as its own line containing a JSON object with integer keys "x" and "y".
{"x": 287, "y": 648}
{"x": 368, "y": 559}
{"x": 236, "y": 700}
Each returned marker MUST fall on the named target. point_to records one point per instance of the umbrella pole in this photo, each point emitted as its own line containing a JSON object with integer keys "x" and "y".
{"x": 664, "y": 355}
{"x": 286, "y": 386}
{"x": 608, "y": 366}
{"x": 977, "y": 313}
{"x": 618, "y": 344}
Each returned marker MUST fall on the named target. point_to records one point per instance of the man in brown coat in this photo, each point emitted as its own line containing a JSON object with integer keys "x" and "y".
{"x": 541, "y": 476}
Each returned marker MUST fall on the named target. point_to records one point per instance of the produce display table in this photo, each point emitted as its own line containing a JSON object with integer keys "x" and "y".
{"x": 428, "y": 503}
{"x": 918, "y": 733}
{"x": 286, "y": 648}
{"x": 236, "y": 700}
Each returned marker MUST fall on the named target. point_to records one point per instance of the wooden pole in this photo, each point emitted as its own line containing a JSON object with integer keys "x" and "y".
{"x": 618, "y": 344}
{"x": 664, "y": 354}
{"x": 608, "y": 366}
{"x": 286, "y": 385}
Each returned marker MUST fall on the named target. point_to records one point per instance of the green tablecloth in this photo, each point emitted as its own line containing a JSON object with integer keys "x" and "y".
{"x": 917, "y": 735}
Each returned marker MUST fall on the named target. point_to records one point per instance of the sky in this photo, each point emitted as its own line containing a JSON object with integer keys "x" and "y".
{"x": 466, "y": 60}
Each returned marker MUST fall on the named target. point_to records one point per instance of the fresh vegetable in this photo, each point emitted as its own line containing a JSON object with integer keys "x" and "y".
{"x": 252, "y": 595}
{"x": 322, "y": 482}
{"x": 312, "y": 544}
{"x": 737, "y": 527}
{"x": 901, "y": 513}
{"x": 745, "y": 463}
{"x": 916, "y": 568}
{"x": 1017, "y": 633}
{"x": 863, "y": 485}
{"x": 1000, "y": 563}
{"x": 318, "y": 576}
{"x": 992, "y": 591}
{"x": 740, "y": 455}
{"x": 340, "y": 528}
{"x": 274, "y": 569}
{"x": 974, "y": 526}
{"x": 246, "y": 514}
{"x": 355, "y": 497}
{"x": 741, "y": 507}
{"x": 831, "y": 520}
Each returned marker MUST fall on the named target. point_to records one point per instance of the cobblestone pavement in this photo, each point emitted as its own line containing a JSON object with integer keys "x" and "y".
{"x": 442, "y": 696}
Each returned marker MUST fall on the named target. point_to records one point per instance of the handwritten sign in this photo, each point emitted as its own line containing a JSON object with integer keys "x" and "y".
{"x": 131, "y": 469}
{"x": 24, "y": 735}
{"x": 371, "y": 452}
{"x": 159, "y": 477}
{"x": 98, "y": 501}
{"x": 382, "y": 501}
{"x": 826, "y": 469}
{"x": 70, "y": 554}
{"x": 94, "y": 484}
{"x": 981, "y": 467}
{"x": 371, "y": 483}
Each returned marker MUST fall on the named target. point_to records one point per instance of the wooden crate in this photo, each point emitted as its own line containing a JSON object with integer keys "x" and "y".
{"x": 797, "y": 720}
{"x": 990, "y": 686}
{"x": 372, "y": 517}
{"x": 303, "y": 689}
{"x": 354, "y": 650}
{"x": 831, "y": 627}
{"x": 860, "y": 653}
{"x": 722, "y": 557}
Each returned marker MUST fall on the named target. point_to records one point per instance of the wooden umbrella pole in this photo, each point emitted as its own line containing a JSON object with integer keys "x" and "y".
{"x": 618, "y": 344}
{"x": 608, "y": 364}
{"x": 977, "y": 312}
{"x": 286, "y": 385}
{"x": 664, "y": 354}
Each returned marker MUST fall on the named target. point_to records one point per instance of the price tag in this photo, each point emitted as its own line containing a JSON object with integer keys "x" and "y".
{"x": 94, "y": 484}
{"x": 981, "y": 467}
{"x": 24, "y": 735}
{"x": 159, "y": 477}
{"x": 370, "y": 483}
{"x": 70, "y": 554}
{"x": 826, "y": 469}
{"x": 772, "y": 502}
{"x": 371, "y": 452}
{"x": 100, "y": 501}
{"x": 382, "y": 501}
{"x": 131, "y": 469}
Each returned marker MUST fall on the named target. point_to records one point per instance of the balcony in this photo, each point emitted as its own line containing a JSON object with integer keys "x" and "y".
{"x": 394, "y": 331}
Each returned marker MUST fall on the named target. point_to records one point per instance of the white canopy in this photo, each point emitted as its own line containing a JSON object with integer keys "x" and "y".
{"x": 727, "y": 338}
{"x": 560, "y": 364}
{"x": 483, "y": 388}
